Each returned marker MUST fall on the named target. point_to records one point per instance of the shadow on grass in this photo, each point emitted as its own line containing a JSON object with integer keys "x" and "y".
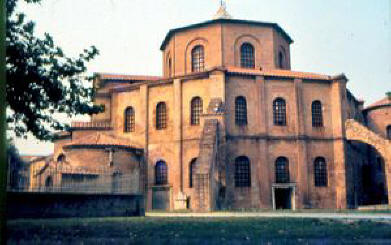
{"x": 188, "y": 230}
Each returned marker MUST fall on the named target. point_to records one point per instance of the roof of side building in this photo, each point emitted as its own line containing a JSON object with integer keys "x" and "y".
{"x": 279, "y": 73}
{"x": 225, "y": 21}
{"x": 386, "y": 101}
{"x": 122, "y": 77}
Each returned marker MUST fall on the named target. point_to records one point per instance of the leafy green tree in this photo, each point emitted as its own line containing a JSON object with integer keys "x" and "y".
{"x": 42, "y": 80}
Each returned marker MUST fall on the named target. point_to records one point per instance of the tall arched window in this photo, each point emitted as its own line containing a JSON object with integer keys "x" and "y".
{"x": 192, "y": 169}
{"x": 242, "y": 172}
{"x": 247, "y": 59}
{"x": 279, "y": 112}
{"x": 161, "y": 173}
{"x": 197, "y": 58}
{"x": 195, "y": 110}
{"x": 240, "y": 111}
{"x": 320, "y": 171}
{"x": 317, "y": 114}
{"x": 169, "y": 67}
{"x": 389, "y": 132}
{"x": 161, "y": 116}
{"x": 129, "y": 123}
{"x": 282, "y": 170}
{"x": 281, "y": 59}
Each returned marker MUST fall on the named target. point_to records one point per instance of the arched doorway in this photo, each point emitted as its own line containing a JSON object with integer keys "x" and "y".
{"x": 368, "y": 166}
{"x": 49, "y": 183}
{"x": 366, "y": 176}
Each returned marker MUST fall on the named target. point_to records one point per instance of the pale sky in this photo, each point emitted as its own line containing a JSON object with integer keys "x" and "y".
{"x": 330, "y": 37}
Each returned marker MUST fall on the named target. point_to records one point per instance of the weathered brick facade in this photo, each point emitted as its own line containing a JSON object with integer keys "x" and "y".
{"x": 218, "y": 140}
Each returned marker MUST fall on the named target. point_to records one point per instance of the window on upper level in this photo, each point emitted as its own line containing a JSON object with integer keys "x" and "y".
{"x": 282, "y": 170}
{"x": 129, "y": 122}
{"x": 281, "y": 58}
{"x": 317, "y": 114}
{"x": 195, "y": 110}
{"x": 161, "y": 116}
{"x": 161, "y": 171}
{"x": 197, "y": 58}
{"x": 389, "y": 132}
{"x": 320, "y": 172}
{"x": 279, "y": 112}
{"x": 169, "y": 67}
{"x": 240, "y": 111}
{"x": 242, "y": 172}
{"x": 247, "y": 58}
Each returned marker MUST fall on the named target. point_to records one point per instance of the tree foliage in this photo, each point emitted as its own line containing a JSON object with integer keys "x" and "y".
{"x": 41, "y": 79}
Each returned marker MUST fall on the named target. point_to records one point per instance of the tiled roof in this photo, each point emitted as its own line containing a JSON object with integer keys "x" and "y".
{"x": 383, "y": 102}
{"x": 99, "y": 138}
{"x": 31, "y": 159}
{"x": 279, "y": 73}
{"x": 107, "y": 76}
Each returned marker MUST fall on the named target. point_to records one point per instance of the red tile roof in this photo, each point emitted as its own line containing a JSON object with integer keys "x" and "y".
{"x": 99, "y": 138}
{"x": 279, "y": 73}
{"x": 385, "y": 101}
{"x": 108, "y": 76}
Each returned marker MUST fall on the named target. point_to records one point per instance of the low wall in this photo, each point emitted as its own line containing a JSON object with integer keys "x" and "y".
{"x": 61, "y": 205}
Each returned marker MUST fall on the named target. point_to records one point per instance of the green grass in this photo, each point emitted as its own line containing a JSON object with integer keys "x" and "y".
{"x": 195, "y": 230}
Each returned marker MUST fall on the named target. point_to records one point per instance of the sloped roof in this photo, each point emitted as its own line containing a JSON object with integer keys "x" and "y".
{"x": 32, "y": 159}
{"x": 103, "y": 139}
{"x": 386, "y": 101}
{"x": 225, "y": 21}
{"x": 279, "y": 73}
{"x": 122, "y": 77}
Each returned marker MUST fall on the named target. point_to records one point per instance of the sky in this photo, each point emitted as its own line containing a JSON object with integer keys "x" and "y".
{"x": 330, "y": 37}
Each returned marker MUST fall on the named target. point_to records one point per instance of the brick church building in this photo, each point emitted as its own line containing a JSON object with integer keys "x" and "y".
{"x": 228, "y": 125}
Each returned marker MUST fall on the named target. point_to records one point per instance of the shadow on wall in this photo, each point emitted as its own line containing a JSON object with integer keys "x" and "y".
{"x": 62, "y": 205}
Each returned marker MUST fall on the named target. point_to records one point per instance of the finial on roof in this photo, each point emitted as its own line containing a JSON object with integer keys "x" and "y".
{"x": 222, "y": 12}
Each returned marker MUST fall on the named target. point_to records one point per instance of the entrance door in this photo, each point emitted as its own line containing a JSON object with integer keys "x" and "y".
{"x": 161, "y": 198}
{"x": 283, "y": 198}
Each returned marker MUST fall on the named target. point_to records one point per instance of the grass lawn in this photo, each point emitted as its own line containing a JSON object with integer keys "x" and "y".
{"x": 149, "y": 230}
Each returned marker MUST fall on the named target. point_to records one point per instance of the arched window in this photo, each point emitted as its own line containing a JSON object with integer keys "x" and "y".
{"x": 161, "y": 116}
{"x": 320, "y": 171}
{"x": 49, "y": 181}
{"x": 282, "y": 170}
{"x": 279, "y": 112}
{"x": 247, "y": 59}
{"x": 61, "y": 158}
{"x": 169, "y": 67}
{"x": 242, "y": 172}
{"x": 240, "y": 111}
{"x": 281, "y": 59}
{"x": 317, "y": 116}
{"x": 389, "y": 132}
{"x": 161, "y": 173}
{"x": 129, "y": 123}
{"x": 197, "y": 58}
{"x": 192, "y": 169}
{"x": 196, "y": 111}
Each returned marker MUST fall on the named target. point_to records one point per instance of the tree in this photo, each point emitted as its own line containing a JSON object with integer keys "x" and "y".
{"x": 42, "y": 80}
